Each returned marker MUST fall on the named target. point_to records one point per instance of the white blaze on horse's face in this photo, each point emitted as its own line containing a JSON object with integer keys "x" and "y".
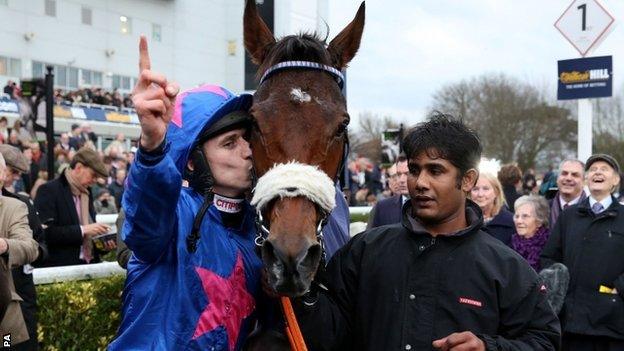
{"x": 299, "y": 96}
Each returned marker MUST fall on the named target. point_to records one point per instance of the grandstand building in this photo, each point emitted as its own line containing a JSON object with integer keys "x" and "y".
{"x": 94, "y": 44}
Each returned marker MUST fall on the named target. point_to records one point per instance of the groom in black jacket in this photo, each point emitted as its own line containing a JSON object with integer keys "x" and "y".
{"x": 435, "y": 280}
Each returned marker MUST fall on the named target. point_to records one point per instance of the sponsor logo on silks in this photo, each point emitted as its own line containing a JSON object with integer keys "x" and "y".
{"x": 228, "y": 205}
{"x": 472, "y": 302}
{"x": 6, "y": 340}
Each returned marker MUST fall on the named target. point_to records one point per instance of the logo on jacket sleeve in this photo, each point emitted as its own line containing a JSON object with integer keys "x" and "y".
{"x": 471, "y": 302}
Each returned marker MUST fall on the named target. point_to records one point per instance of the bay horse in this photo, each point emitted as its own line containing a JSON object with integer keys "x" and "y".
{"x": 298, "y": 141}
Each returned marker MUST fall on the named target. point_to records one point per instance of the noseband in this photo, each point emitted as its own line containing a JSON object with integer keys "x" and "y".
{"x": 291, "y": 186}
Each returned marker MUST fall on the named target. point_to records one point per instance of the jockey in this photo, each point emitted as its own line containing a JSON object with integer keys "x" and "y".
{"x": 194, "y": 276}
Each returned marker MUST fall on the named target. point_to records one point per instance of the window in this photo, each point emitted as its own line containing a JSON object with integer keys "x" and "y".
{"x": 125, "y": 83}
{"x": 15, "y": 67}
{"x": 126, "y": 25}
{"x": 92, "y": 78}
{"x": 38, "y": 69}
{"x": 116, "y": 81}
{"x": 50, "y": 8}
{"x": 97, "y": 78}
{"x": 72, "y": 77}
{"x": 10, "y": 67}
{"x": 86, "y": 77}
{"x": 3, "y": 66}
{"x": 87, "y": 16}
{"x": 156, "y": 32}
{"x": 60, "y": 75}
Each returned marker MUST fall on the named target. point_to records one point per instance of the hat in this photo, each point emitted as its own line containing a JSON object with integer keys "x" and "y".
{"x": 91, "y": 159}
{"x": 14, "y": 158}
{"x": 603, "y": 157}
{"x": 232, "y": 120}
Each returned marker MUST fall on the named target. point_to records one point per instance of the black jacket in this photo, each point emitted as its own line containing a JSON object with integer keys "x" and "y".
{"x": 57, "y": 210}
{"x": 501, "y": 226}
{"x": 395, "y": 286}
{"x": 592, "y": 247}
{"x": 511, "y": 195}
{"x": 386, "y": 211}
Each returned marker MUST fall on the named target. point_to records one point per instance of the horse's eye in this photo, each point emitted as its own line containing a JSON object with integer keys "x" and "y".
{"x": 341, "y": 129}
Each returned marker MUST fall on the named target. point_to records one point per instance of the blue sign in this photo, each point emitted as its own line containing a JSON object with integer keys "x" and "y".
{"x": 582, "y": 78}
{"x": 9, "y": 106}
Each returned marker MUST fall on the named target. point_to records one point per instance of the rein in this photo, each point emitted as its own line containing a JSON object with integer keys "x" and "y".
{"x": 295, "y": 337}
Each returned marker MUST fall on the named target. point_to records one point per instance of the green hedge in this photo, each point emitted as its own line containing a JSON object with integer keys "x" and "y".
{"x": 359, "y": 218}
{"x": 85, "y": 315}
{"x": 81, "y": 315}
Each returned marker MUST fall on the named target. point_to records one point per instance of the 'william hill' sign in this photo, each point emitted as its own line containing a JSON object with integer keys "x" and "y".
{"x": 583, "y": 78}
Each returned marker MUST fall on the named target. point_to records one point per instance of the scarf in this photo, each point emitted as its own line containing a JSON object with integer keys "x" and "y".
{"x": 81, "y": 191}
{"x": 531, "y": 248}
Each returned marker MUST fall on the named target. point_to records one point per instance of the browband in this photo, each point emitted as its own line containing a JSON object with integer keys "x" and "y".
{"x": 338, "y": 76}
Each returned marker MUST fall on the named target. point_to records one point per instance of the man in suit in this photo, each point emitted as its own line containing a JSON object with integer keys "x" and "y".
{"x": 65, "y": 206}
{"x": 388, "y": 211}
{"x": 17, "y": 248}
{"x": 570, "y": 185}
{"x": 16, "y": 165}
{"x": 588, "y": 239}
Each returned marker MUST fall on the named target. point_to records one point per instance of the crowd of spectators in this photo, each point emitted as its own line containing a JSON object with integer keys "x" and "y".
{"x": 94, "y": 96}
{"x": 117, "y": 157}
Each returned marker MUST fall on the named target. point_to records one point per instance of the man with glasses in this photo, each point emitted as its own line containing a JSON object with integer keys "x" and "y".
{"x": 388, "y": 211}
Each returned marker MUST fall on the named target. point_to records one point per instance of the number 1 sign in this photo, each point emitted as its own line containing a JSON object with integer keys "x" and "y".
{"x": 584, "y": 23}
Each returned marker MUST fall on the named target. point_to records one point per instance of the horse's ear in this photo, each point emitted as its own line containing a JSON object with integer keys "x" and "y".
{"x": 257, "y": 35}
{"x": 344, "y": 46}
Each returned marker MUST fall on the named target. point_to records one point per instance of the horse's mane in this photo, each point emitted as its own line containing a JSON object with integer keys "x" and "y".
{"x": 301, "y": 47}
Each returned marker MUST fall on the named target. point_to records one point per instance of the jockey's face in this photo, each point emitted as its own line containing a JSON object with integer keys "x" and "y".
{"x": 229, "y": 157}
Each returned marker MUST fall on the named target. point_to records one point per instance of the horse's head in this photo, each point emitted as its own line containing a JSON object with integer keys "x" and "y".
{"x": 298, "y": 141}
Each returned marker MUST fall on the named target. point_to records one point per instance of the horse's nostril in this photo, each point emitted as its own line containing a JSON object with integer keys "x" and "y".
{"x": 312, "y": 258}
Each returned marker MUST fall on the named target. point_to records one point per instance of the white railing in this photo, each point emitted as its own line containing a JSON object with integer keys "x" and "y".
{"x": 362, "y": 210}
{"x": 79, "y": 272}
{"x": 51, "y": 275}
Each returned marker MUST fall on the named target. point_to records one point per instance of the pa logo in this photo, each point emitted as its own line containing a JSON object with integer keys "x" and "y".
{"x": 6, "y": 340}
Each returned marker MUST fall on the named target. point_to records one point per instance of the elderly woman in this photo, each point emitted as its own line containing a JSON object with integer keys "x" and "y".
{"x": 498, "y": 221}
{"x": 531, "y": 221}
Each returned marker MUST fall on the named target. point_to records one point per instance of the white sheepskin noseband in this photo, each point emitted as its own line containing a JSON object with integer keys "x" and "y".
{"x": 295, "y": 179}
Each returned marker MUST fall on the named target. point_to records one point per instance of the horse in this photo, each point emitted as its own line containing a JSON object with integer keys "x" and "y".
{"x": 299, "y": 142}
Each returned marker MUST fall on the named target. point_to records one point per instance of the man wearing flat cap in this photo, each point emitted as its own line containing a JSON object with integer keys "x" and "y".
{"x": 65, "y": 207}
{"x": 588, "y": 239}
{"x": 16, "y": 165}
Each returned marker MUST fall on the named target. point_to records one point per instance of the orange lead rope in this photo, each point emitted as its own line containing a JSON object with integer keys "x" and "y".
{"x": 292, "y": 327}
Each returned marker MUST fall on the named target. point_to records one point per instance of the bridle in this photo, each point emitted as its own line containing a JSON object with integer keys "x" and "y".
{"x": 262, "y": 227}
{"x": 292, "y": 330}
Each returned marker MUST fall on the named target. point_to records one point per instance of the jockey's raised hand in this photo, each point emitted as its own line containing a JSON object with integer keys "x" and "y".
{"x": 154, "y": 99}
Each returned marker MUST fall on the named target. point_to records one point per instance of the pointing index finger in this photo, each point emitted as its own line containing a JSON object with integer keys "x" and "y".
{"x": 144, "y": 60}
